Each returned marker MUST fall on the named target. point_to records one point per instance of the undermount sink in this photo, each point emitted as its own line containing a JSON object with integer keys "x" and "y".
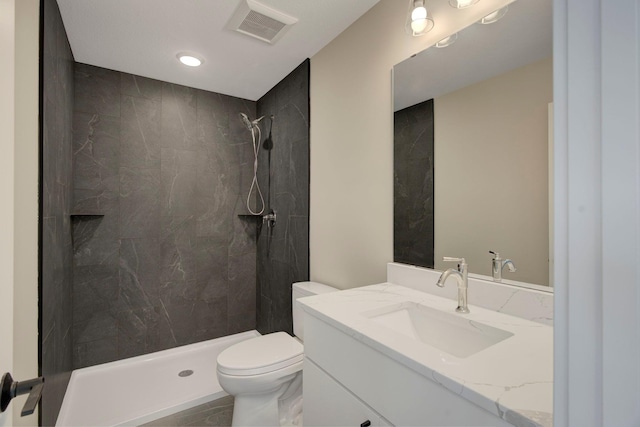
{"x": 451, "y": 333}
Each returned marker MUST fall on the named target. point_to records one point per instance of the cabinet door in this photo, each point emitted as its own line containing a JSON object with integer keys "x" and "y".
{"x": 327, "y": 403}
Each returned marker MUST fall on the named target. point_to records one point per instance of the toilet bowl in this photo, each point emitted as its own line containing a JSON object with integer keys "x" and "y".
{"x": 264, "y": 374}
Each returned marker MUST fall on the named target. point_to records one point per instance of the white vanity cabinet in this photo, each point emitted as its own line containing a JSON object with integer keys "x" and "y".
{"x": 347, "y": 383}
{"x": 333, "y": 405}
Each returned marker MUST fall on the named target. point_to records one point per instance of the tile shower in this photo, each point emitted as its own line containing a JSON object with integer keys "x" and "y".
{"x": 161, "y": 258}
{"x": 143, "y": 185}
{"x": 55, "y": 276}
{"x": 283, "y": 252}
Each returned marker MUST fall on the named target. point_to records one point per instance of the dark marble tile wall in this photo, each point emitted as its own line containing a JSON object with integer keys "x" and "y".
{"x": 283, "y": 251}
{"x": 55, "y": 226}
{"x": 161, "y": 258}
{"x": 413, "y": 219}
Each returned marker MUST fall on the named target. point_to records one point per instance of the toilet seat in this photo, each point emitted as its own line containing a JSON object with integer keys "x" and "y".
{"x": 260, "y": 355}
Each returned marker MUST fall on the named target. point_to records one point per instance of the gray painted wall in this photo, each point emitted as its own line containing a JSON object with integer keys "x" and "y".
{"x": 413, "y": 189}
{"x": 283, "y": 252}
{"x": 55, "y": 222}
{"x": 161, "y": 258}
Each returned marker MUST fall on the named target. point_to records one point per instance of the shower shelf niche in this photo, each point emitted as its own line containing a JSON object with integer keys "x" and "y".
{"x": 89, "y": 215}
{"x": 247, "y": 216}
{"x": 79, "y": 219}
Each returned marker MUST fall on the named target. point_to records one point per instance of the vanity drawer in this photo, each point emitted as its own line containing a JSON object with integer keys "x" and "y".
{"x": 327, "y": 403}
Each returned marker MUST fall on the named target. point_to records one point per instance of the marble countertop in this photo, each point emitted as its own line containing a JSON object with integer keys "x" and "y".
{"x": 512, "y": 379}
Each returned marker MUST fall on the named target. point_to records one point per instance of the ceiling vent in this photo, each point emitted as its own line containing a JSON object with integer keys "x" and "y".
{"x": 262, "y": 22}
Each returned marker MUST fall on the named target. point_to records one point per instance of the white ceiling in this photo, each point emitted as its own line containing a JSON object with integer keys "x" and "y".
{"x": 523, "y": 36}
{"x": 142, "y": 37}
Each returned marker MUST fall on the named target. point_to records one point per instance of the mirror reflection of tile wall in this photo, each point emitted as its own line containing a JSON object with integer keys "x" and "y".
{"x": 413, "y": 220}
{"x": 486, "y": 185}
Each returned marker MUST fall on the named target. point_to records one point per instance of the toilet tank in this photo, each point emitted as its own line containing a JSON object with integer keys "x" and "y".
{"x": 301, "y": 290}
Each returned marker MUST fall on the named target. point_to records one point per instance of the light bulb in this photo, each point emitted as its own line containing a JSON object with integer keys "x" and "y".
{"x": 419, "y": 13}
{"x": 419, "y": 25}
{"x": 419, "y": 22}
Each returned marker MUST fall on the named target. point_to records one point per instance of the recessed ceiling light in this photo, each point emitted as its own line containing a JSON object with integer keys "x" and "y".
{"x": 189, "y": 59}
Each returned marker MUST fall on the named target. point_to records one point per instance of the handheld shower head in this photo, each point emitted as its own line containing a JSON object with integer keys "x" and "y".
{"x": 246, "y": 121}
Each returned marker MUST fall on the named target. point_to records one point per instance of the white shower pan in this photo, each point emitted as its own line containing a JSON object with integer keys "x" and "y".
{"x": 141, "y": 389}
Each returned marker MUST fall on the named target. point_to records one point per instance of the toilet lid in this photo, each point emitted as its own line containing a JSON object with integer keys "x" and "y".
{"x": 260, "y": 355}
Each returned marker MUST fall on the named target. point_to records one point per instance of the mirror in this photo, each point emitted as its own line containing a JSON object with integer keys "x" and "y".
{"x": 471, "y": 148}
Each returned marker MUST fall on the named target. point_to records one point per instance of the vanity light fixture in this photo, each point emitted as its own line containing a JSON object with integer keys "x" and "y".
{"x": 494, "y": 16}
{"x": 419, "y": 23}
{"x": 447, "y": 41}
{"x": 462, "y": 4}
{"x": 189, "y": 59}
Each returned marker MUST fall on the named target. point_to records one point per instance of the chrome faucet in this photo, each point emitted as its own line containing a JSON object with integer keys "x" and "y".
{"x": 497, "y": 265}
{"x": 461, "y": 274}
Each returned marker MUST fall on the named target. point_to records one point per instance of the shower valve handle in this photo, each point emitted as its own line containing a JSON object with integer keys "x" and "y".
{"x": 269, "y": 218}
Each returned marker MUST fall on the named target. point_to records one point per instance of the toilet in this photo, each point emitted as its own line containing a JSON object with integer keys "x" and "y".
{"x": 264, "y": 374}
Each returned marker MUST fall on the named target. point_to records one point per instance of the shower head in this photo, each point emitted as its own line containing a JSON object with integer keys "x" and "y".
{"x": 248, "y": 123}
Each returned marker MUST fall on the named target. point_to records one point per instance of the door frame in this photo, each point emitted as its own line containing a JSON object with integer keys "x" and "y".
{"x": 597, "y": 211}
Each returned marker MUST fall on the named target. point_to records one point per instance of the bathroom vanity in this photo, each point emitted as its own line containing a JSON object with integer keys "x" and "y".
{"x": 387, "y": 354}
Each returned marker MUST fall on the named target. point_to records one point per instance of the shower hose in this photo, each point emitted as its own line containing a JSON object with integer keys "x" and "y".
{"x": 256, "y": 136}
